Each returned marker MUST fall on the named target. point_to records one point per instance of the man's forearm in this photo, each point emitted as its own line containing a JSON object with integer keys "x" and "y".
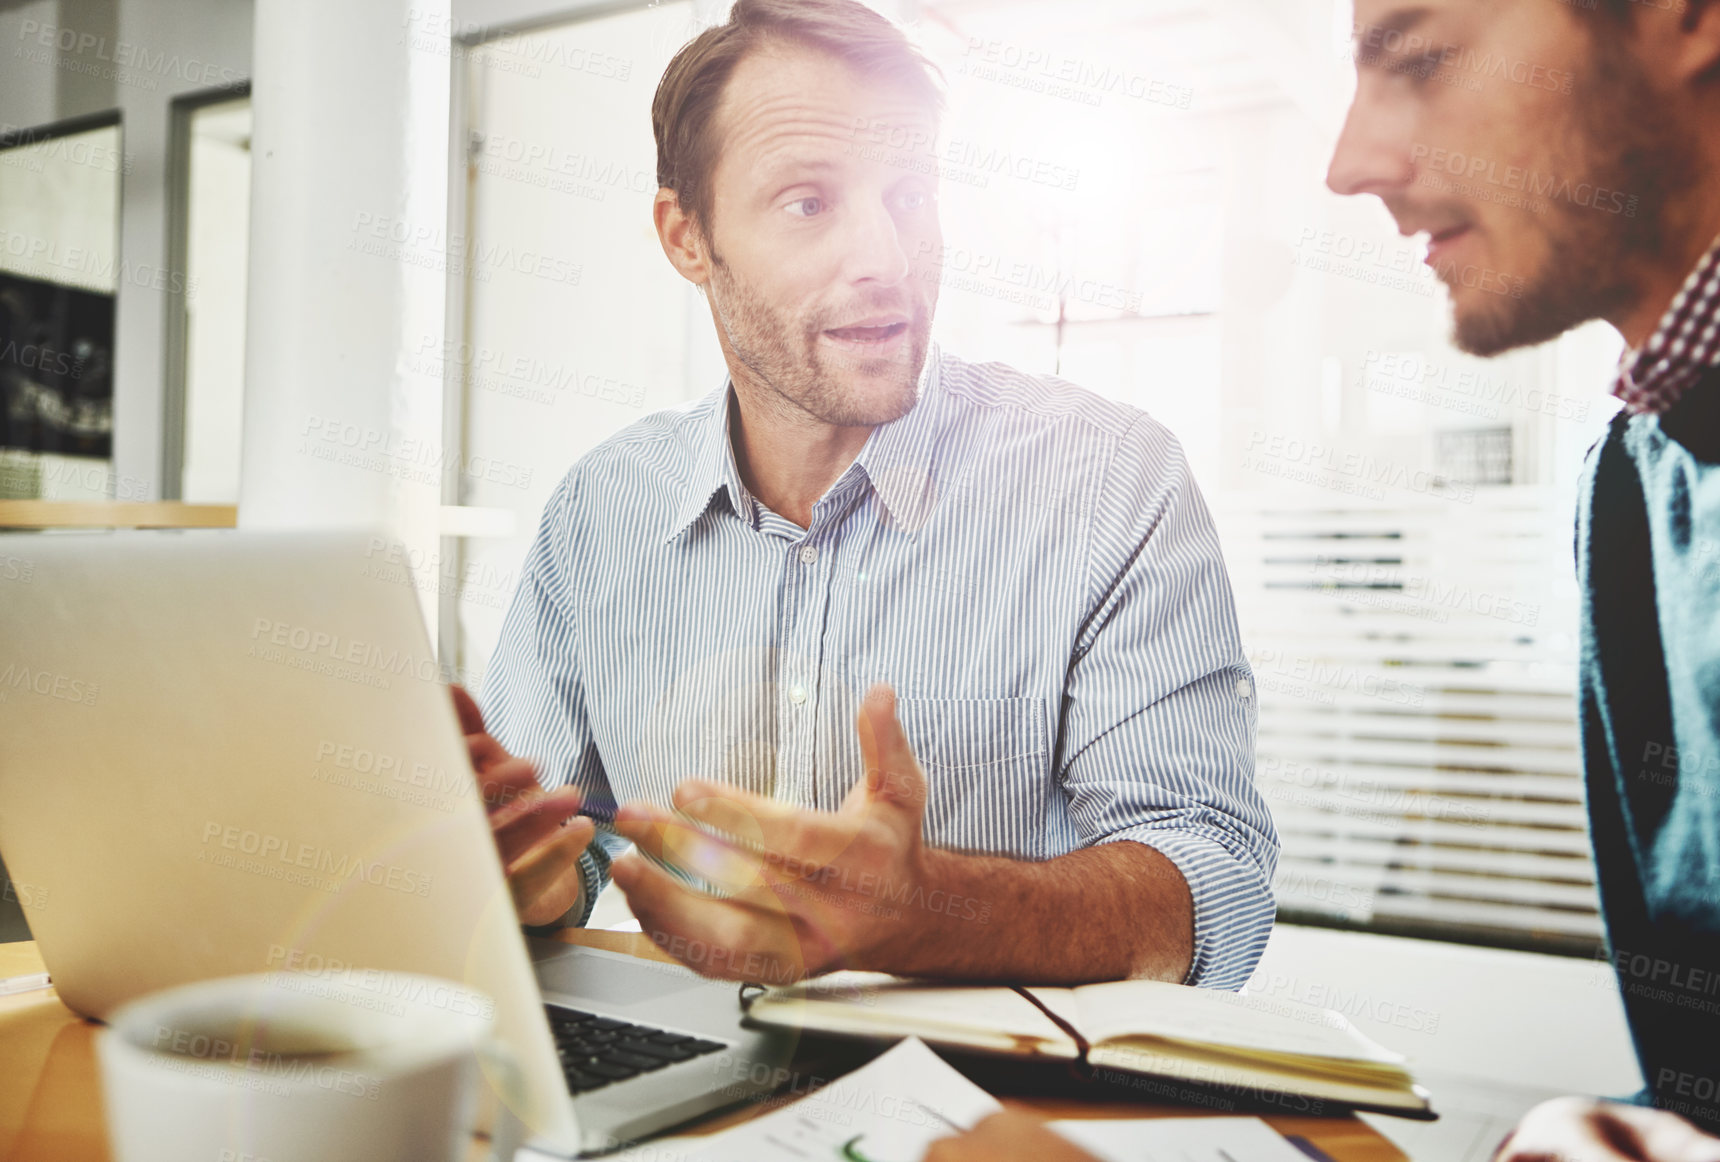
{"x": 591, "y": 873}
{"x": 574, "y": 917}
{"x": 1102, "y": 913}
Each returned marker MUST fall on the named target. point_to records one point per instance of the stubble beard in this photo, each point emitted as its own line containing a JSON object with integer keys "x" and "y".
{"x": 784, "y": 356}
{"x": 1624, "y": 144}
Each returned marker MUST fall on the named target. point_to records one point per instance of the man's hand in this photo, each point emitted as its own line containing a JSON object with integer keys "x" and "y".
{"x": 805, "y": 891}
{"x": 539, "y": 855}
{"x": 1006, "y": 1137}
{"x": 1574, "y": 1129}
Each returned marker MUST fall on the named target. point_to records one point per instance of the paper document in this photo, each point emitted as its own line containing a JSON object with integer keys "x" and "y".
{"x": 891, "y": 1110}
{"x": 1180, "y": 1140}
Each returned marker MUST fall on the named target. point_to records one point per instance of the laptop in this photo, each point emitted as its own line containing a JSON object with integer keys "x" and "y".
{"x": 229, "y": 753}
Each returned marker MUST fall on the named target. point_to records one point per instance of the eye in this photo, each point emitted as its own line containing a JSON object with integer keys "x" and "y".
{"x": 916, "y": 200}
{"x": 806, "y": 207}
{"x": 1416, "y": 75}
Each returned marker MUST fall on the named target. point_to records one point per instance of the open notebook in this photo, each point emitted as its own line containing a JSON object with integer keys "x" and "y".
{"x": 1196, "y": 1036}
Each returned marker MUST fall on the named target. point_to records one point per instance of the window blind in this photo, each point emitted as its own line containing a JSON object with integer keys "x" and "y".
{"x": 1415, "y": 664}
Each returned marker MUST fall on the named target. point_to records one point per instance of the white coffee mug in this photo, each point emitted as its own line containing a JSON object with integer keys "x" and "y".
{"x": 366, "y": 1066}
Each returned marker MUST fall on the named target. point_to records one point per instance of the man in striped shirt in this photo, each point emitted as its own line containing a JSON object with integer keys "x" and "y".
{"x": 948, "y": 647}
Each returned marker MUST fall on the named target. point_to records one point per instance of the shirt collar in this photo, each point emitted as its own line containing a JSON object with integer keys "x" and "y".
{"x": 1682, "y": 348}
{"x": 713, "y": 472}
{"x": 897, "y": 460}
{"x": 900, "y": 458}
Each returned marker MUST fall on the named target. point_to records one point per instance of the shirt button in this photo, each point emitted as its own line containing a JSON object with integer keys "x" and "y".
{"x": 1244, "y": 688}
{"x": 808, "y": 554}
{"x": 797, "y": 694}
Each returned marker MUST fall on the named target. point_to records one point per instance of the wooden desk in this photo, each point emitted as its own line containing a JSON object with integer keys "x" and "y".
{"x": 50, "y": 1098}
{"x": 115, "y": 514}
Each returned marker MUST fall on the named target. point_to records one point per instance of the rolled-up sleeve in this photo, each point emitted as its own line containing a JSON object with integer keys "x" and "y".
{"x": 1159, "y": 724}
{"x": 533, "y": 694}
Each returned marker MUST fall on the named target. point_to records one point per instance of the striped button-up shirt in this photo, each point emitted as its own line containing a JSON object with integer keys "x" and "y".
{"x": 1029, "y": 565}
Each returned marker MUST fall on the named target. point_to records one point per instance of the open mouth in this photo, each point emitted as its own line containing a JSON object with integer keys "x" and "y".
{"x": 1441, "y": 244}
{"x": 881, "y": 333}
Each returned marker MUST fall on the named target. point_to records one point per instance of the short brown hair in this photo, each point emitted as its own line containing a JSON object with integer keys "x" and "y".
{"x": 692, "y": 86}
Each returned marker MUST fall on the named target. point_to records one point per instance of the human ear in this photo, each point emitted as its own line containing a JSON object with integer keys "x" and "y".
{"x": 683, "y": 241}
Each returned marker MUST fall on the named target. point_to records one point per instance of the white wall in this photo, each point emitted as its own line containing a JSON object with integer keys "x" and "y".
{"x": 28, "y": 90}
{"x": 217, "y": 260}
{"x": 211, "y": 42}
{"x": 600, "y": 330}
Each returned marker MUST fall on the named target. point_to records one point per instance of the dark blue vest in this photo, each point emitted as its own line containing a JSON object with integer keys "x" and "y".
{"x": 1648, "y": 559}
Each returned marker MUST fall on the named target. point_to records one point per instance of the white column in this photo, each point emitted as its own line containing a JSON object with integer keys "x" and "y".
{"x": 349, "y": 255}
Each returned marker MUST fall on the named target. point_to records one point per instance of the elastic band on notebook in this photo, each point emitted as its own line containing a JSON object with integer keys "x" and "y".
{"x": 1080, "y": 1067}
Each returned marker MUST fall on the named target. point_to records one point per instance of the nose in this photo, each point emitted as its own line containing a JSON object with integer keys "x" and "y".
{"x": 874, "y": 248}
{"x": 1373, "y": 152}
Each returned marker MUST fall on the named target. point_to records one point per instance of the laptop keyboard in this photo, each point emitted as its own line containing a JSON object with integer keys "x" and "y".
{"x": 598, "y": 1051}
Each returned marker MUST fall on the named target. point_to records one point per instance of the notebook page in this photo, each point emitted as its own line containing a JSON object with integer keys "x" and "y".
{"x": 1119, "y": 1009}
{"x": 891, "y": 1003}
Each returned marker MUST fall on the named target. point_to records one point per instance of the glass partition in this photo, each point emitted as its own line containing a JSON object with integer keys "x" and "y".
{"x": 59, "y": 270}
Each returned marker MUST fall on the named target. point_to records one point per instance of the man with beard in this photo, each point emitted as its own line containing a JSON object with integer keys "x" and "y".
{"x": 1628, "y": 155}
{"x": 1642, "y": 120}
{"x": 1008, "y": 588}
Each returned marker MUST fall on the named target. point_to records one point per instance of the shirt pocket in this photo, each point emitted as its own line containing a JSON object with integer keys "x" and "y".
{"x": 987, "y": 771}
